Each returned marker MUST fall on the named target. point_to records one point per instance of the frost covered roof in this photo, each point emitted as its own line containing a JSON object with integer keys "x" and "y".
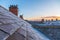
{"x": 14, "y": 28}
{"x": 50, "y": 23}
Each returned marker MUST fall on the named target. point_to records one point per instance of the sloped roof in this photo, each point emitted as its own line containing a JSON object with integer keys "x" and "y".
{"x": 8, "y": 22}
{"x": 13, "y": 27}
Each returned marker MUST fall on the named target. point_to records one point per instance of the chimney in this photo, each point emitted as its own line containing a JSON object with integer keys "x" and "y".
{"x": 14, "y": 9}
{"x": 21, "y": 16}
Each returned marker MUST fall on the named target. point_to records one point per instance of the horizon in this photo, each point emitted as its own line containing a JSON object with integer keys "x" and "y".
{"x": 44, "y": 17}
{"x": 34, "y": 8}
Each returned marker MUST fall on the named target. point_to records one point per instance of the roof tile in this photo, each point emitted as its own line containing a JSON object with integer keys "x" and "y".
{"x": 3, "y": 35}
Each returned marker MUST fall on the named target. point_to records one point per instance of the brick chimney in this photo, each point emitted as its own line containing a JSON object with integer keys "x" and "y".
{"x": 14, "y": 9}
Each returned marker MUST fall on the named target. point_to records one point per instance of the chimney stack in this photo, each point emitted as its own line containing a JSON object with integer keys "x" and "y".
{"x": 14, "y": 9}
{"x": 21, "y": 16}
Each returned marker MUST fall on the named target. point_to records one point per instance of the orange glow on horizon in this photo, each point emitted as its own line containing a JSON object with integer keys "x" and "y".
{"x": 46, "y": 18}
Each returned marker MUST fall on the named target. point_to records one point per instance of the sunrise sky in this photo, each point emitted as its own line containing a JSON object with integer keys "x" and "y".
{"x": 34, "y": 8}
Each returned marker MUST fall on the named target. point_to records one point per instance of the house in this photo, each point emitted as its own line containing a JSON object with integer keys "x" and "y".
{"x": 14, "y": 28}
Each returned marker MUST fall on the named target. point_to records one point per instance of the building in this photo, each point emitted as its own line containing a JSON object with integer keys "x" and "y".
{"x": 14, "y": 28}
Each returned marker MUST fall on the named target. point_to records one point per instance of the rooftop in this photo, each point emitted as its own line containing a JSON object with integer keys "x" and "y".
{"x": 14, "y": 28}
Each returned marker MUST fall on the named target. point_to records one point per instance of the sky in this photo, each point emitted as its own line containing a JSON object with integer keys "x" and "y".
{"x": 34, "y": 8}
